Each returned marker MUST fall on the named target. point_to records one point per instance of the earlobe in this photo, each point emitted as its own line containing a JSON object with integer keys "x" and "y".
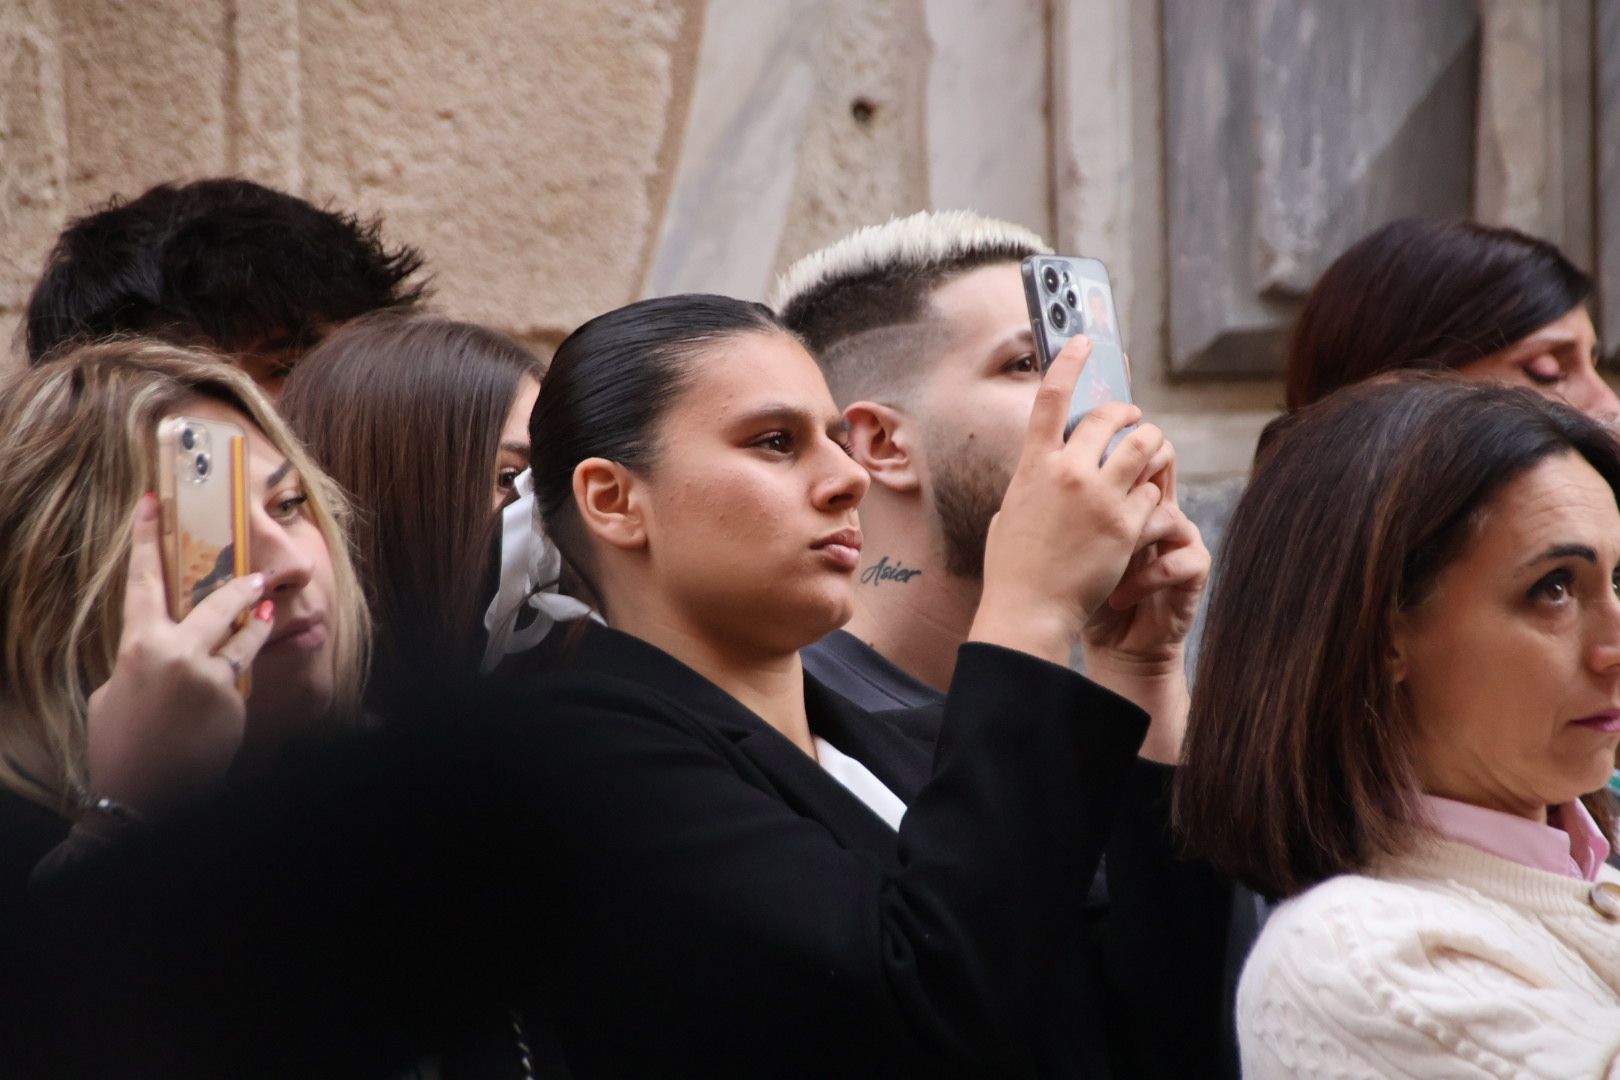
{"x": 606, "y": 497}
{"x": 881, "y": 441}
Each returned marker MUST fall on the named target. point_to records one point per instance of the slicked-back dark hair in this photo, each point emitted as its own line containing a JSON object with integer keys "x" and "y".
{"x": 609, "y": 385}
{"x": 1419, "y": 293}
{"x": 1299, "y": 760}
{"x": 225, "y": 263}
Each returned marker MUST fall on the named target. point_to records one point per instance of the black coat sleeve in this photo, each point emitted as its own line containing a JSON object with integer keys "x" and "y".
{"x": 691, "y": 900}
{"x": 347, "y": 917}
{"x": 1164, "y": 943}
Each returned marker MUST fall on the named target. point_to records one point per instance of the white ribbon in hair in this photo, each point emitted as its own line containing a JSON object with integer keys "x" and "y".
{"x": 531, "y": 567}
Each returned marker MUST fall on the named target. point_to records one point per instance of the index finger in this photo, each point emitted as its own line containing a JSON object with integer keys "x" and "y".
{"x": 1051, "y": 412}
{"x": 145, "y": 597}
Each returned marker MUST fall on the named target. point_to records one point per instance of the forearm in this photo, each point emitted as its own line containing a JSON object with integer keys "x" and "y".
{"x": 1158, "y": 686}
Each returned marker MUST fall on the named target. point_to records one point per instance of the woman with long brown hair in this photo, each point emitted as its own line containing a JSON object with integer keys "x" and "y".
{"x": 424, "y": 422}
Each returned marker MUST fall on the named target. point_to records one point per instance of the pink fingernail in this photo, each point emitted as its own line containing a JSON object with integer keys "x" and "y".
{"x": 146, "y": 507}
{"x": 256, "y": 581}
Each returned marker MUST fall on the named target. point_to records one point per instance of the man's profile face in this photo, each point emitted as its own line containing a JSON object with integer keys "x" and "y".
{"x": 974, "y": 406}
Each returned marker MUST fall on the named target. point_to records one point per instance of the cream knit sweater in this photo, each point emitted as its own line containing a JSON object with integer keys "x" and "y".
{"x": 1445, "y": 962}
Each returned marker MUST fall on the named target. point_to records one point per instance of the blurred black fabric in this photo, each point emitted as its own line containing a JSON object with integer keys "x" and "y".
{"x": 626, "y": 850}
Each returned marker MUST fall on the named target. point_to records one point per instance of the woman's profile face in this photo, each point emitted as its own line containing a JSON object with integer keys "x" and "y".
{"x": 1558, "y": 360}
{"x": 512, "y": 454}
{"x": 294, "y": 675}
{"x": 1510, "y": 669}
{"x": 750, "y": 508}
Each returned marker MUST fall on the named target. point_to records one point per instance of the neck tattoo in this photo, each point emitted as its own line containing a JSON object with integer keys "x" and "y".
{"x": 883, "y": 571}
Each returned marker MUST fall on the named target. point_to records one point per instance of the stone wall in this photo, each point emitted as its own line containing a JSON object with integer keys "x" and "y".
{"x": 557, "y": 158}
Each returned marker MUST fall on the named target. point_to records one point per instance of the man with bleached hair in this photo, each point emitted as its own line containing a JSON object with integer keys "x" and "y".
{"x": 922, "y": 331}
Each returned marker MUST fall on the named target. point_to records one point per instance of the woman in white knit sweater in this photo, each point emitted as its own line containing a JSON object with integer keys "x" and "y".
{"x": 1407, "y": 707}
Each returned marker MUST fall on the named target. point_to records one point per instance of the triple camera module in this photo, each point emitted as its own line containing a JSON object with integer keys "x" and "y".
{"x": 1065, "y": 306}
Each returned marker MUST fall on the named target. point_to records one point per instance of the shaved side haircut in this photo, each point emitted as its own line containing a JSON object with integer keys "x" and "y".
{"x": 863, "y": 304}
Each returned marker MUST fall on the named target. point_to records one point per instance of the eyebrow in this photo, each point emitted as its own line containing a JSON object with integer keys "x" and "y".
{"x": 279, "y": 475}
{"x": 1024, "y": 339}
{"x": 792, "y": 416}
{"x": 516, "y": 447}
{"x": 1565, "y": 551}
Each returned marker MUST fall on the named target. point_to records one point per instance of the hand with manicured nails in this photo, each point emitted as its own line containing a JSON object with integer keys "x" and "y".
{"x": 1070, "y": 523}
{"x": 170, "y": 718}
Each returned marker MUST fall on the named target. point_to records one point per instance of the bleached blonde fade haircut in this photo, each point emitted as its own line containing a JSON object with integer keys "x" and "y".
{"x": 862, "y": 304}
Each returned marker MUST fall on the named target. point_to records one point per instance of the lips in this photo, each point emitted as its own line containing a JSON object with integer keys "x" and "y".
{"x": 1606, "y": 721}
{"x": 298, "y": 635}
{"x": 842, "y": 549}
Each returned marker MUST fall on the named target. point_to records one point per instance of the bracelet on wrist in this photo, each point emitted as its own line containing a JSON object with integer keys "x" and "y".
{"x": 114, "y": 813}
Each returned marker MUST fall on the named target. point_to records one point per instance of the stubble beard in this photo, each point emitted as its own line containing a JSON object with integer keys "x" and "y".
{"x": 967, "y": 490}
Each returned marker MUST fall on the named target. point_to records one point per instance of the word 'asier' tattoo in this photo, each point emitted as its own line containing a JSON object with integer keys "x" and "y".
{"x": 881, "y": 571}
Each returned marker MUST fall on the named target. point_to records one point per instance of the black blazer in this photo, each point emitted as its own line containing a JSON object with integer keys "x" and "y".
{"x": 690, "y": 893}
{"x": 724, "y": 907}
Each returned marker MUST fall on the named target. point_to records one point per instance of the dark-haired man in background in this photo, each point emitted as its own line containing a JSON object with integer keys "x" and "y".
{"x": 921, "y": 328}
{"x": 253, "y": 273}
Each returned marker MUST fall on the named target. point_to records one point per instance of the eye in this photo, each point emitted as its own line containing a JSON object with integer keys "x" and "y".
{"x": 1543, "y": 370}
{"x": 777, "y": 442}
{"x": 288, "y": 507}
{"x": 1554, "y": 588}
{"x": 506, "y": 479}
{"x": 1023, "y": 365}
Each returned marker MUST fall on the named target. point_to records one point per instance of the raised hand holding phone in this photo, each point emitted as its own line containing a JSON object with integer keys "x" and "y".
{"x": 171, "y": 717}
{"x": 1071, "y": 522}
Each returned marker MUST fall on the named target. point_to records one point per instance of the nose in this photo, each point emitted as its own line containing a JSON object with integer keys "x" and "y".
{"x": 845, "y": 483}
{"x": 278, "y": 555}
{"x": 1595, "y": 398}
{"x": 1603, "y": 646}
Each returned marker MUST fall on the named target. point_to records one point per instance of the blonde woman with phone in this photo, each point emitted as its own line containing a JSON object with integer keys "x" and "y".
{"x": 111, "y": 709}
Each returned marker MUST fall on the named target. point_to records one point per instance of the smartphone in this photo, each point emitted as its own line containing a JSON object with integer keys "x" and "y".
{"x": 202, "y": 493}
{"x": 1069, "y": 295}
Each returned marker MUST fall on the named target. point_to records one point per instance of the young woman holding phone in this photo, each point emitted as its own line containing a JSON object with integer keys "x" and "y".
{"x": 752, "y": 876}
{"x": 111, "y": 710}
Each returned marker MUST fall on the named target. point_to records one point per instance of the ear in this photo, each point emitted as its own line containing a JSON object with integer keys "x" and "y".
{"x": 609, "y": 503}
{"x": 1395, "y": 657}
{"x": 882, "y": 440}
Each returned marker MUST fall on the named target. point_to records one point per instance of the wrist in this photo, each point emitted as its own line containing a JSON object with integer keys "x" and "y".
{"x": 1156, "y": 686}
{"x": 1027, "y": 631}
{"x": 108, "y": 818}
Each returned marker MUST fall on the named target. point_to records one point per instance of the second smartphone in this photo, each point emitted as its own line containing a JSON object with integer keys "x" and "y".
{"x": 1069, "y": 295}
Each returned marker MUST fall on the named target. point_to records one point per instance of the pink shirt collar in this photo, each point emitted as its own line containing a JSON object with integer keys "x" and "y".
{"x": 1569, "y": 844}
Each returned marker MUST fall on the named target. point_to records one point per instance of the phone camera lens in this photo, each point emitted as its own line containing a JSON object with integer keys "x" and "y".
{"x": 202, "y": 465}
{"x": 188, "y": 439}
{"x": 1059, "y": 317}
{"x": 1070, "y": 298}
{"x": 1049, "y": 276}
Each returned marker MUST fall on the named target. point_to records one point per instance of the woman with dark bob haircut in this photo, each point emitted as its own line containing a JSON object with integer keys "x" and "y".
{"x": 1490, "y": 303}
{"x": 1408, "y": 706}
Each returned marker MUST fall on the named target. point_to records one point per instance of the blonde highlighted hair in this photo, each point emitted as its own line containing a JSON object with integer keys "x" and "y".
{"x": 80, "y": 450}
